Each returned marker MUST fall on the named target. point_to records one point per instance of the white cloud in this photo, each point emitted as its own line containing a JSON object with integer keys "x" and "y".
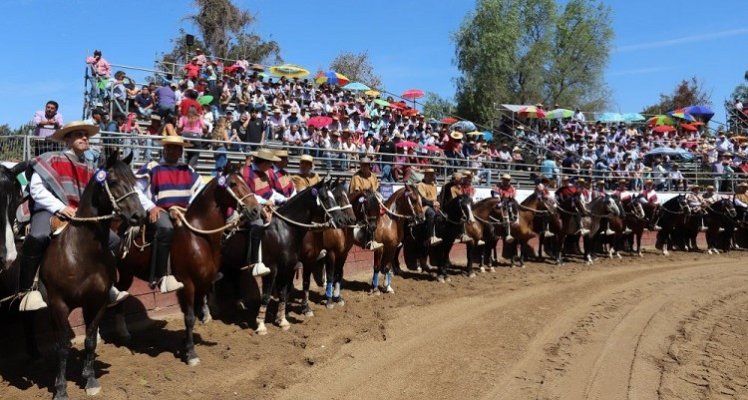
{"x": 681, "y": 40}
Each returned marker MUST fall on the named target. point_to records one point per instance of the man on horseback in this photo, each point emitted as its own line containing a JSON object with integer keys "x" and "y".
{"x": 361, "y": 181}
{"x": 428, "y": 190}
{"x": 648, "y": 194}
{"x": 507, "y": 193}
{"x": 261, "y": 180}
{"x": 565, "y": 193}
{"x": 306, "y": 176}
{"x": 464, "y": 187}
{"x": 599, "y": 190}
{"x": 741, "y": 197}
{"x": 171, "y": 184}
{"x": 696, "y": 203}
{"x": 57, "y": 183}
{"x": 283, "y": 181}
{"x": 622, "y": 190}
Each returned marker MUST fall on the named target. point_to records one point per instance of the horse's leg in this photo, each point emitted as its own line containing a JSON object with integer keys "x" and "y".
{"x": 469, "y": 248}
{"x": 187, "y": 303}
{"x": 588, "y": 243}
{"x": 306, "y": 280}
{"x": 338, "y": 282}
{"x": 268, "y": 281}
{"x": 60, "y": 311}
{"x": 29, "y": 333}
{"x": 639, "y": 243}
{"x": 92, "y": 317}
{"x": 280, "y": 319}
{"x": 375, "y": 277}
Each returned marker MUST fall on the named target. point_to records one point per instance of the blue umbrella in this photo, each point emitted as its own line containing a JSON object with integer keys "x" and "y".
{"x": 667, "y": 151}
{"x": 700, "y": 111}
{"x": 610, "y": 117}
{"x": 463, "y": 126}
{"x": 356, "y": 86}
{"x": 487, "y": 136}
{"x": 633, "y": 117}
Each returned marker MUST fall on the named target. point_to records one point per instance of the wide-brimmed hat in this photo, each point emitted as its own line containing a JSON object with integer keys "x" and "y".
{"x": 649, "y": 182}
{"x": 429, "y": 171}
{"x": 742, "y": 184}
{"x": 174, "y": 140}
{"x": 623, "y": 181}
{"x": 265, "y": 154}
{"x": 75, "y": 126}
{"x": 364, "y": 160}
{"x": 281, "y": 153}
{"x": 710, "y": 187}
{"x": 307, "y": 158}
{"x": 456, "y": 135}
{"x": 692, "y": 187}
{"x": 467, "y": 173}
{"x": 581, "y": 180}
{"x": 506, "y": 176}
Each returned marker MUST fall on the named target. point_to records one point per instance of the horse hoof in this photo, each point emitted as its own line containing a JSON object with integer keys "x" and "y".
{"x": 389, "y": 289}
{"x": 93, "y": 391}
{"x": 419, "y": 270}
{"x": 340, "y": 303}
{"x": 63, "y": 396}
{"x": 471, "y": 275}
{"x": 440, "y": 279}
{"x": 329, "y": 304}
{"x": 640, "y": 254}
{"x": 193, "y": 362}
{"x": 206, "y": 319}
{"x": 482, "y": 269}
{"x": 665, "y": 253}
{"x": 620, "y": 257}
{"x": 261, "y": 330}
{"x": 310, "y": 313}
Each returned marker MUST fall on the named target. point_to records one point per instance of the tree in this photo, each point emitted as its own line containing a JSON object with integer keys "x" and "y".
{"x": 218, "y": 22}
{"x": 435, "y": 106}
{"x": 357, "y": 67}
{"x": 688, "y": 92}
{"x": 525, "y": 51}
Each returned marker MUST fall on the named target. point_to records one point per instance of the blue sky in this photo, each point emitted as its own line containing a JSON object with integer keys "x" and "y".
{"x": 657, "y": 44}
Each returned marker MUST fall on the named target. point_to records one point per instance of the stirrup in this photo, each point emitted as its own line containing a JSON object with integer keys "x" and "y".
{"x": 703, "y": 228}
{"x": 322, "y": 255}
{"x": 609, "y": 232}
{"x": 434, "y": 241}
{"x": 627, "y": 231}
{"x": 32, "y": 301}
{"x": 583, "y": 231}
{"x": 168, "y": 283}
{"x": 373, "y": 245}
{"x": 509, "y": 239}
{"x": 259, "y": 269}
{"x": 116, "y": 296}
{"x": 480, "y": 243}
{"x": 548, "y": 234}
{"x": 657, "y": 228}
{"x": 465, "y": 238}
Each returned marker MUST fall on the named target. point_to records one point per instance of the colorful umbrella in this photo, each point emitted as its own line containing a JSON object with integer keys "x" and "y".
{"x": 681, "y": 115}
{"x": 319, "y": 122}
{"x": 559, "y": 113}
{"x": 474, "y": 133}
{"x": 531, "y": 112}
{"x": 633, "y": 117}
{"x": 331, "y": 78}
{"x": 663, "y": 129}
{"x": 699, "y": 111}
{"x": 372, "y": 93}
{"x": 399, "y": 105}
{"x": 488, "y": 136}
{"x": 356, "y": 86}
{"x": 412, "y": 94}
{"x": 205, "y": 100}
{"x": 659, "y": 120}
{"x": 406, "y": 144}
{"x": 410, "y": 112}
{"x": 689, "y": 127}
{"x": 610, "y": 117}
{"x": 448, "y": 120}
{"x": 289, "y": 71}
{"x": 383, "y": 103}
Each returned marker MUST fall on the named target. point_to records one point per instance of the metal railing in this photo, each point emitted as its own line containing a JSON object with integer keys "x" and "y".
{"x": 343, "y": 163}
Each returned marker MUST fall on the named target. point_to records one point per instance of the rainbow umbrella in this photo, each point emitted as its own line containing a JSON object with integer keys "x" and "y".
{"x": 531, "y": 112}
{"x": 703, "y": 112}
{"x": 289, "y": 71}
{"x": 331, "y": 78}
{"x": 559, "y": 113}
{"x": 680, "y": 114}
{"x": 659, "y": 120}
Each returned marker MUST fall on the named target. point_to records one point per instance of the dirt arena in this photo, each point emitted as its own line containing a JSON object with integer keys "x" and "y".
{"x": 657, "y": 327}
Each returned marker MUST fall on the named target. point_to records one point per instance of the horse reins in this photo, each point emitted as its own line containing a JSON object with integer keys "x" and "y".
{"x": 116, "y": 209}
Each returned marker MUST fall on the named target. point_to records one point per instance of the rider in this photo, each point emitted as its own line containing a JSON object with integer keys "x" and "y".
{"x": 599, "y": 190}
{"x": 507, "y": 193}
{"x": 465, "y": 187}
{"x": 584, "y": 190}
{"x": 567, "y": 191}
{"x": 306, "y": 176}
{"x": 741, "y": 197}
{"x": 58, "y": 180}
{"x": 171, "y": 183}
{"x": 622, "y": 191}
{"x": 260, "y": 178}
{"x": 711, "y": 197}
{"x": 361, "y": 181}
{"x": 696, "y": 203}
{"x": 283, "y": 181}
{"x": 428, "y": 190}
{"x": 648, "y": 194}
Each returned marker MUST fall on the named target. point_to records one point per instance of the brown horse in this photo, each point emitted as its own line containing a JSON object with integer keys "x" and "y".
{"x": 637, "y": 219}
{"x": 196, "y": 249}
{"x": 404, "y": 206}
{"x": 336, "y": 243}
{"x": 488, "y": 214}
{"x": 78, "y": 269}
{"x": 541, "y": 217}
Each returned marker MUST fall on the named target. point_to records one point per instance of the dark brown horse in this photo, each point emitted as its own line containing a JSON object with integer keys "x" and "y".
{"x": 404, "y": 206}
{"x": 489, "y": 214}
{"x": 638, "y": 216}
{"x": 547, "y": 225}
{"x": 78, "y": 269}
{"x": 10, "y": 199}
{"x": 454, "y": 214}
{"x": 196, "y": 249}
{"x": 673, "y": 216}
{"x": 720, "y": 220}
{"x": 336, "y": 243}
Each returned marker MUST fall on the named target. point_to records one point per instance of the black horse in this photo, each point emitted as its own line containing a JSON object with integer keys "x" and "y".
{"x": 10, "y": 199}
{"x": 672, "y": 216}
{"x": 456, "y": 212}
{"x": 720, "y": 221}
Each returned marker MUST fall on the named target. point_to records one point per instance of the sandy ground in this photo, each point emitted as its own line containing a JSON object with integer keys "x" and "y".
{"x": 658, "y": 327}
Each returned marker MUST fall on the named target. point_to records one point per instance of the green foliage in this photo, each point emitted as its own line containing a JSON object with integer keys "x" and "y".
{"x": 434, "y": 106}
{"x": 688, "y": 92}
{"x": 526, "y": 51}
{"x": 357, "y": 67}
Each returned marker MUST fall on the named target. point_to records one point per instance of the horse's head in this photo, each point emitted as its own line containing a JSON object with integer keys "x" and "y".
{"x": 460, "y": 209}
{"x": 410, "y": 201}
{"x": 340, "y": 194}
{"x": 326, "y": 206}
{"x": 367, "y": 207}
{"x": 116, "y": 190}
{"x": 10, "y": 199}
{"x": 682, "y": 204}
{"x": 729, "y": 207}
{"x": 611, "y": 206}
{"x": 231, "y": 191}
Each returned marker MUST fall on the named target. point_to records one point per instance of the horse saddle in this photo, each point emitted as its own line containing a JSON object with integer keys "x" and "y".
{"x": 58, "y": 225}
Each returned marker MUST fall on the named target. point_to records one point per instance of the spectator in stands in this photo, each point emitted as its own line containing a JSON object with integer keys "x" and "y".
{"x": 387, "y": 148}
{"x": 45, "y": 124}
{"x": 276, "y": 125}
{"x": 221, "y": 135}
{"x": 239, "y": 132}
{"x": 192, "y": 69}
{"x": 201, "y": 59}
{"x": 144, "y": 101}
{"x": 168, "y": 126}
{"x": 738, "y": 105}
{"x": 350, "y": 150}
{"x": 99, "y": 65}
{"x": 293, "y": 136}
{"x": 166, "y": 100}
{"x": 191, "y": 126}
{"x": 119, "y": 92}
{"x": 677, "y": 180}
{"x": 189, "y": 102}
{"x": 255, "y": 130}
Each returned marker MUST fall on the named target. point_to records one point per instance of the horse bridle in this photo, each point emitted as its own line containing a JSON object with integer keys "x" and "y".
{"x": 239, "y": 200}
{"x": 116, "y": 209}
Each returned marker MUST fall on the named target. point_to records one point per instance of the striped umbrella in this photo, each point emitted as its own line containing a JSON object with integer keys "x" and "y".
{"x": 331, "y": 78}
{"x": 559, "y": 113}
{"x": 659, "y": 120}
{"x": 680, "y": 114}
{"x": 289, "y": 71}
{"x": 531, "y": 112}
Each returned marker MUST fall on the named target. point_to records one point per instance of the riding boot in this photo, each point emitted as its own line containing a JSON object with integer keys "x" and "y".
{"x": 608, "y": 231}
{"x": 32, "y": 298}
{"x": 254, "y": 253}
{"x": 433, "y": 240}
{"x": 167, "y": 282}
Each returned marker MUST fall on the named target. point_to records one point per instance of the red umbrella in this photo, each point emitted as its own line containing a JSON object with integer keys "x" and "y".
{"x": 689, "y": 127}
{"x": 319, "y": 122}
{"x": 399, "y": 105}
{"x": 412, "y": 94}
{"x": 406, "y": 144}
{"x": 431, "y": 147}
{"x": 697, "y": 123}
{"x": 410, "y": 112}
{"x": 531, "y": 112}
{"x": 448, "y": 120}
{"x": 663, "y": 129}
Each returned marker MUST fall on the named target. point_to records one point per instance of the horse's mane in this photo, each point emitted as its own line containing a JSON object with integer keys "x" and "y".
{"x": 485, "y": 202}
{"x": 395, "y": 196}
{"x": 291, "y": 203}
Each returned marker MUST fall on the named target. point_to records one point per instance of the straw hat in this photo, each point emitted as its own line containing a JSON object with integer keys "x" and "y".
{"x": 600, "y": 183}
{"x": 265, "y": 154}
{"x": 507, "y": 177}
{"x": 307, "y": 158}
{"x": 467, "y": 173}
{"x": 174, "y": 140}
{"x": 281, "y": 153}
{"x": 456, "y": 135}
{"x": 694, "y": 187}
{"x": 581, "y": 180}
{"x": 429, "y": 171}
{"x": 742, "y": 184}
{"x": 75, "y": 126}
{"x": 649, "y": 182}
{"x": 457, "y": 176}
{"x": 364, "y": 160}
{"x": 710, "y": 187}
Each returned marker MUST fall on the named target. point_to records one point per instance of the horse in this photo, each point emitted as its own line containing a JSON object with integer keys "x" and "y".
{"x": 335, "y": 243}
{"x": 403, "y": 206}
{"x": 740, "y": 236}
{"x": 457, "y": 211}
{"x": 591, "y": 215}
{"x": 488, "y": 213}
{"x": 78, "y": 269}
{"x": 672, "y": 216}
{"x": 720, "y": 221}
{"x": 10, "y": 199}
{"x": 282, "y": 238}
{"x": 570, "y": 209}
{"x": 547, "y": 225}
{"x": 195, "y": 252}
{"x": 617, "y": 224}
{"x": 636, "y": 219}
